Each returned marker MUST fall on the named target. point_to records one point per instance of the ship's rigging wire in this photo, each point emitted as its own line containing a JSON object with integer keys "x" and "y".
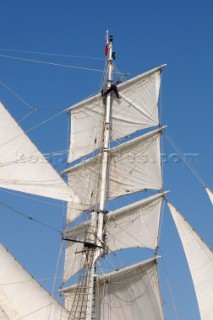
{"x": 25, "y": 117}
{"x": 57, "y": 268}
{"x": 189, "y": 165}
{"x": 49, "y": 63}
{"x": 14, "y": 193}
{"x": 32, "y": 109}
{"x": 51, "y": 54}
{"x": 34, "y": 127}
{"x": 160, "y": 224}
{"x": 26, "y": 281}
{"x": 34, "y": 311}
{"x": 160, "y": 100}
{"x": 25, "y": 216}
{"x": 169, "y": 287}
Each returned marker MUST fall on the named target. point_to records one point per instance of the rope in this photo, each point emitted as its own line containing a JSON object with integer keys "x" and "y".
{"x": 170, "y": 288}
{"x": 28, "y": 217}
{"x": 45, "y": 121}
{"x": 34, "y": 127}
{"x": 184, "y": 159}
{"x": 161, "y": 99}
{"x": 25, "y": 117}
{"x": 160, "y": 224}
{"x": 17, "y": 96}
{"x": 52, "y": 54}
{"x": 31, "y": 198}
{"x": 57, "y": 267}
{"x": 26, "y": 315}
{"x": 50, "y": 63}
{"x": 18, "y": 282}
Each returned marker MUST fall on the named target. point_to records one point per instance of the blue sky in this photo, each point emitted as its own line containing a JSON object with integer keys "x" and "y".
{"x": 146, "y": 34}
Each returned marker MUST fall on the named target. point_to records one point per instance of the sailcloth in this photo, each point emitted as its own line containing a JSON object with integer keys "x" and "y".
{"x": 133, "y": 166}
{"x": 130, "y": 293}
{"x": 210, "y": 194}
{"x": 3, "y": 316}
{"x": 23, "y": 167}
{"x": 75, "y": 258}
{"x": 200, "y": 261}
{"x": 137, "y": 109}
{"x": 136, "y": 165}
{"x": 135, "y": 225}
{"x": 21, "y": 297}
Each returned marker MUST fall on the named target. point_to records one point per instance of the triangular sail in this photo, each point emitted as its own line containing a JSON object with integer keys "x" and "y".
{"x": 200, "y": 261}
{"x": 21, "y": 297}
{"x": 23, "y": 167}
{"x": 137, "y": 109}
{"x": 135, "y": 225}
{"x": 210, "y": 194}
{"x": 130, "y": 293}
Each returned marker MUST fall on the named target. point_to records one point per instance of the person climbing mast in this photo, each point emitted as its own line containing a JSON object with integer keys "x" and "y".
{"x": 113, "y": 87}
{"x": 111, "y": 83}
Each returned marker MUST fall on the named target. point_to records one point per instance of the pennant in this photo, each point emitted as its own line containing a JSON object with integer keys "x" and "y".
{"x": 107, "y": 44}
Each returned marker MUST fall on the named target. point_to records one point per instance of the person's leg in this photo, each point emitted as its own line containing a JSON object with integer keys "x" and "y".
{"x": 116, "y": 92}
{"x": 107, "y": 91}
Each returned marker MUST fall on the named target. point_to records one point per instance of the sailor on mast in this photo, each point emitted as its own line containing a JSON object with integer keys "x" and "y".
{"x": 113, "y": 87}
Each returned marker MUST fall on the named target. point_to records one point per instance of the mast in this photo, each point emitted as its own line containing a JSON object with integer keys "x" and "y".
{"x": 102, "y": 176}
{"x": 97, "y": 221}
{"x": 105, "y": 151}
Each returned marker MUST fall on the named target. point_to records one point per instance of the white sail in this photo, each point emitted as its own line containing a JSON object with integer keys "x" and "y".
{"x": 135, "y": 225}
{"x": 84, "y": 178}
{"x": 137, "y": 109}
{"x": 210, "y": 194}
{"x": 23, "y": 167}
{"x": 3, "y": 316}
{"x": 74, "y": 252}
{"x": 134, "y": 166}
{"x": 69, "y": 296}
{"x": 21, "y": 297}
{"x": 130, "y": 293}
{"x": 75, "y": 298}
{"x": 200, "y": 261}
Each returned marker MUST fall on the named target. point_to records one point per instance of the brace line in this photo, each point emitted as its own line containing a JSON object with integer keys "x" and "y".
{"x": 184, "y": 159}
{"x": 50, "y": 63}
{"x": 28, "y": 217}
{"x": 52, "y": 54}
{"x": 17, "y": 96}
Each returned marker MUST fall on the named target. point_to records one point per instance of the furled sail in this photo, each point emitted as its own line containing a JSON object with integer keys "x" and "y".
{"x": 23, "y": 167}
{"x": 200, "y": 261}
{"x": 133, "y": 166}
{"x": 130, "y": 293}
{"x": 21, "y": 296}
{"x": 135, "y": 225}
{"x": 210, "y": 194}
{"x": 137, "y": 109}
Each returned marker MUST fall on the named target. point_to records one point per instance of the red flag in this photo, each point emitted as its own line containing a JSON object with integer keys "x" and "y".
{"x": 107, "y": 44}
